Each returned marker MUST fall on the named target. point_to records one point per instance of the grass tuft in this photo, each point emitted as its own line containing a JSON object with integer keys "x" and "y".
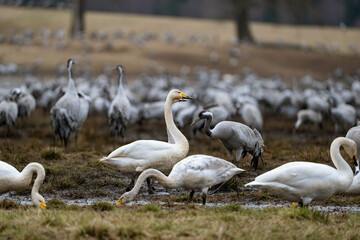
{"x": 131, "y": 232}
{"x": 149, "y": 208}
{"x": 56, "y": 204}
{"x": 98, "y": 230}
{"x": 51, "y": 155}
{"x": 102, "y": 206}
{"x": 8, "y": 204}
{"x": 304, "y": 213}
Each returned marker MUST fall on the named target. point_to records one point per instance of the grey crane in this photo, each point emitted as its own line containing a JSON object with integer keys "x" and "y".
{"x": 120, "y": 109}
{"x": 64, "y": 113}
{"x": 8, "y": 112}
{"x": 235, "y": 137}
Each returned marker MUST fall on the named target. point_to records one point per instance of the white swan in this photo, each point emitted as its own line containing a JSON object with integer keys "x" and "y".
{"x": 196, "y": 172}
{"x": 13, "y": 180}
{"x": 304, "y": 182}
{"x": 354, "y": 134}
{"x": 142, "y": 154}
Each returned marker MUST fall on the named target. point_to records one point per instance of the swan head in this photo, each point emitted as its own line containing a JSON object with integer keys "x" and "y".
{"x": 351, "y": 149}
{"x": 202, "y": 115}
{"x": 38, "y": 200}
{"x": 178, "y": 96}
{"x": 125, "y": 198}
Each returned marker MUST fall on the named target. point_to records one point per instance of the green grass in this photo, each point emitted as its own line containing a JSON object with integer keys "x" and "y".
{"x": 191, "y": 222}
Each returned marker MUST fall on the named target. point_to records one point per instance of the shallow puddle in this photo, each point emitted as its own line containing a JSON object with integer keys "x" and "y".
{"x": 26, "y": 200}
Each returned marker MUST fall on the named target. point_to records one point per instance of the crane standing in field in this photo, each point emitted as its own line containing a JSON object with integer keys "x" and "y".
{"x": 8, "y": 112}
{"x": 64, "y": 114}
{"x": 235, "y": 137}
{"x": 120, "y": 109}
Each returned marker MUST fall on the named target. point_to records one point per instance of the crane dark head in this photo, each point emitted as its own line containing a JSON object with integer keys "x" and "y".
{"x": 205, "y": 114}
{"x": 120, "y": 68}
{"x": 70, "y": 62}
{"x": 202, "y": 115}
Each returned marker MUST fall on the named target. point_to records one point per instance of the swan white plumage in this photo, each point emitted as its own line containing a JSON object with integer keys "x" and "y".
{"x": 196, "y": 172}
{"x": 304, "y": 182}
{"x": 13, "y": 180}
{"x": 142, "y": 154}
{"x": 354, "y": 134}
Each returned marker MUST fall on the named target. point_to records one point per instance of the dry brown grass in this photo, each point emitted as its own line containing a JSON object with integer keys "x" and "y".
{"x": 181, "y": 222}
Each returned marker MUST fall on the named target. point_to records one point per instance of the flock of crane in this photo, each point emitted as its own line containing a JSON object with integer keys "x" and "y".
{"x": 167, "y": 162}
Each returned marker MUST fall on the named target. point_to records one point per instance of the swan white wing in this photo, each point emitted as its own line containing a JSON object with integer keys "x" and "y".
{"x": 141, "y": 149}
{"x": 208, "y": 168}
{"x": 299, "y": 174}
{"x": 355, "y": 186}
{"x": 6, "y": 171}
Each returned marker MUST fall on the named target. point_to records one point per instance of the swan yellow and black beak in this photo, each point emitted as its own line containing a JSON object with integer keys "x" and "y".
{"x": 195, "y": 121}
{"x": 184, "y": 97}
{"x": 118, "y": 203}
{"x": 42, "y": 205}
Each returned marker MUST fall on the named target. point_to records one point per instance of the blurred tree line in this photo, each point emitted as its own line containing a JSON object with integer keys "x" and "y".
{"x": 319, "y": 12}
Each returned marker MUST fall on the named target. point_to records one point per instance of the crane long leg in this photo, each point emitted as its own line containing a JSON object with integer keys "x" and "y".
{"x": 150, "y": 183}
{"x": 238, "y": 156}
{"x": 231, "y": 153}
{"x": 191, "y": 195}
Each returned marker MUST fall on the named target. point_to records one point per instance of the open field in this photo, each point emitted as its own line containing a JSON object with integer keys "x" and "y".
{"x": 75, "y": 177}
{"x": 215, "y": 37}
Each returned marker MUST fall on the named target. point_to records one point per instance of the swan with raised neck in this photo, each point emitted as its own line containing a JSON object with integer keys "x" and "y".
{"x": 304, "y": 182}
{"x": 142, "y": 154}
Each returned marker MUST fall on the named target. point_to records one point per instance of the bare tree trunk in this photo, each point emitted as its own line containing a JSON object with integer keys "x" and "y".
{"x": 77, "y": 24}
{"x": 242, "y": 20}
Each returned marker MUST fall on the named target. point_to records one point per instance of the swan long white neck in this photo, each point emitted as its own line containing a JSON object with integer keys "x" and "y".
{"x": 163, "y": 180}
{"x": 26, "y": 176}
{"x": 71, "y": 85}
{"x": 178, "y": 137}
{"x": 336, "y": 157}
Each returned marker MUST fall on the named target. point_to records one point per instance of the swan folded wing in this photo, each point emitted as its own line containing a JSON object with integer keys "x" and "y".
{"x": 210, "y": 167}
{"x": 142, "y": 150}
{"x": 298, "y": 174}
{"x": 6, "y": 170}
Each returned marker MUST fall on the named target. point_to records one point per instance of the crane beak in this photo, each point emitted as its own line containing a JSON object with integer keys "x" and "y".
{"x": 195, "y": 121}
{"x": 42, "y": 205}
{"x": 118, "y": 203}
